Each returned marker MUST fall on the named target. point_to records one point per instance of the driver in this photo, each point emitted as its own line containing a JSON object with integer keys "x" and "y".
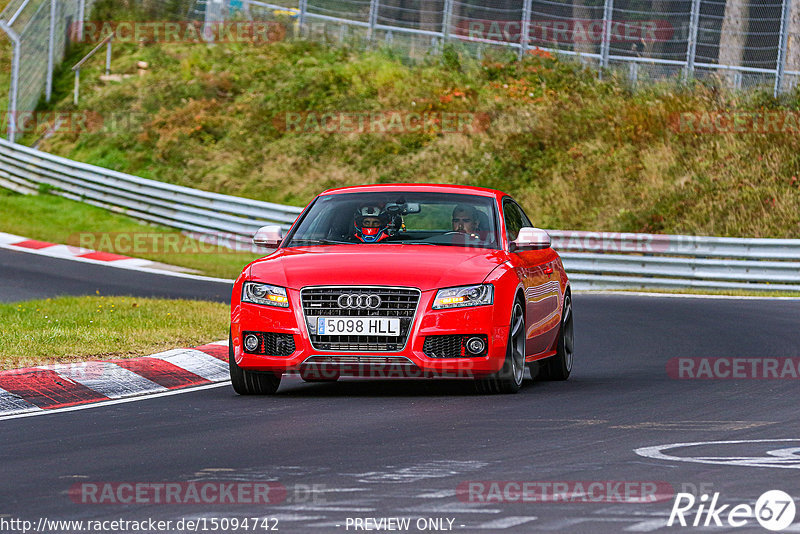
{"x": 465, "y": 220}
{"x": 371, "y": 224}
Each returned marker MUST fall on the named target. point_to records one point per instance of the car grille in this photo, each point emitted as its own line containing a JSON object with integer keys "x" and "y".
{"x": 452, "y": 346}
{"x": 395, "y": 302}
{"x": 272, "y": 344}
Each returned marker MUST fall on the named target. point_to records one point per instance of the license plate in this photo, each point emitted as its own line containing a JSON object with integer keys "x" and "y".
{"x": 357, "y": 326}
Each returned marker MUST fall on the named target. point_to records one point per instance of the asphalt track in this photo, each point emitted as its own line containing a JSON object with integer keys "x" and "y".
{"x": 380, "y": 449}
{"x": 26, "y": 276}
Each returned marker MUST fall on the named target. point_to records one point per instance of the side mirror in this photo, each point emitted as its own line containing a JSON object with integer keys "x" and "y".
{"x": 268, "y": 236}
{"x": 531, "y": 239}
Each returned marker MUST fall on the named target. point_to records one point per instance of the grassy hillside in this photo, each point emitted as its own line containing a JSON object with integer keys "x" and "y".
{"x": 578, "y": 153}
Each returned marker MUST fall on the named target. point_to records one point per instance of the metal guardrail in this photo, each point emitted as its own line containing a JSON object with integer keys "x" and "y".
{"x": 605, "y": 260}
{"x": 24, "y": 169}
{"x": 594, "y": 260}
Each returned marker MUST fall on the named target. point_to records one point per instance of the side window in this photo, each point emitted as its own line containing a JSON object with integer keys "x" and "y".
{"x": 515, "y": 219}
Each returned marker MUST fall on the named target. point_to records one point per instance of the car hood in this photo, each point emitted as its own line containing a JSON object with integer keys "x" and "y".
{"x": 420, "y": 266}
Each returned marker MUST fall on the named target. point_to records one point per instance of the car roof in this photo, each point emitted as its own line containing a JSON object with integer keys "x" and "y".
{"x": 420, "y": 188}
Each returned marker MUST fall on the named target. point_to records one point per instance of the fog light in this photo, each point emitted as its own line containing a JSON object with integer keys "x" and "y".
{"x": 476, "y": 345}
{"x": 250, "y": 342}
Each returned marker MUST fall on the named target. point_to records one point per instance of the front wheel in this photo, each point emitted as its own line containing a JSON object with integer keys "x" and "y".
{"x": 559, "y": 366}
{"x": 246, "y": 382}
{"x": 509, "y": 378}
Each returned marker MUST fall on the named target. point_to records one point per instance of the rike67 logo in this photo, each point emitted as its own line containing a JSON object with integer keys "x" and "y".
{"x": 774, "y": 510}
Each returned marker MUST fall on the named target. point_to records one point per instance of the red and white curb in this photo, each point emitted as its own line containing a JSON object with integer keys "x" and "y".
{"x": 11, "y": 241}
{"x": 50, "y": 387}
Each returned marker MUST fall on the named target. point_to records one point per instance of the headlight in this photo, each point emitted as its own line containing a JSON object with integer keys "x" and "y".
{"x": 265, "y": 294}
{"x": 461, "y": 297}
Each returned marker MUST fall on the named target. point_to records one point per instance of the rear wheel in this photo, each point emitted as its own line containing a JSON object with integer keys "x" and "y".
{"x": 246, "y": 382}
{"x": 559, "y": 366}
{"x": 509, "y": 378}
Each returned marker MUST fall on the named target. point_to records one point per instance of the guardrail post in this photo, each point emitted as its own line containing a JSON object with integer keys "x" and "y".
{"x": 374, "y": 6}
{"x": 13, "y": 90}
{"x": 608, "y": 17}
{"x": 525, "y": 33}
{"x": 780, "y": 67}
{"x": 691, "y": 44}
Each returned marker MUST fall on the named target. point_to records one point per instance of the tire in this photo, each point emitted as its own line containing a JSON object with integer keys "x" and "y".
{"x": 509, "y": 378}
{"x": 559, "y": 366}
{"x": 251, "y": 382}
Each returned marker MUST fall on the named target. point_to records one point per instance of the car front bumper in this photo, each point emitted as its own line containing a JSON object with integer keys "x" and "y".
{"x": 411, "y": 361}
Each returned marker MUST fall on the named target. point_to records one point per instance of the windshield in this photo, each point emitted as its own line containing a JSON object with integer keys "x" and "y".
{"x": 371, "y": 219}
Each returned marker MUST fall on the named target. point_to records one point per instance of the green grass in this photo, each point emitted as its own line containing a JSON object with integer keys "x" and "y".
{"x": 69, "y": 329}
{"x": 58, "y": 220}
{"x": 577, "y": 152}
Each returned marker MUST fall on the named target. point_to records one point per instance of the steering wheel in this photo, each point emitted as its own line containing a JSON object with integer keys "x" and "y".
{"x": 473, "y": 236}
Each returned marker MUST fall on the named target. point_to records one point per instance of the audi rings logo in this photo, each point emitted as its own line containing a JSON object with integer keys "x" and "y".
{"x": 361, "y": 302}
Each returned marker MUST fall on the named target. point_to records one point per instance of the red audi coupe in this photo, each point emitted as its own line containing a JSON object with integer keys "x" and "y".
{"x": 405, "y": 280}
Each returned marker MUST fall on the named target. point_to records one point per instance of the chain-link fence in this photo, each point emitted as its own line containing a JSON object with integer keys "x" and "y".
{"x": 741, "y": 43}
{"x": 41, "y": 32}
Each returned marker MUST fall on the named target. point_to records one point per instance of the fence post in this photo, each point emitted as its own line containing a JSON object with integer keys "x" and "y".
{"x": 691, "y": 45}
{"x": 780, "y": 67}
{"x": 446, "y": 19}
{"x": 14, "y": 88}
{"x": 525, "y": 34}
{"x": 108, "y": 55}
{"x": 374, "y": 6}
{"x": 81, "y": 16}
{"x": 633, "y": 73}
{"x": 301, "y": 19}
{"x": 51, "y": 50}
{"x": 77, "y": 89}
{"x": 608, "y": 16}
